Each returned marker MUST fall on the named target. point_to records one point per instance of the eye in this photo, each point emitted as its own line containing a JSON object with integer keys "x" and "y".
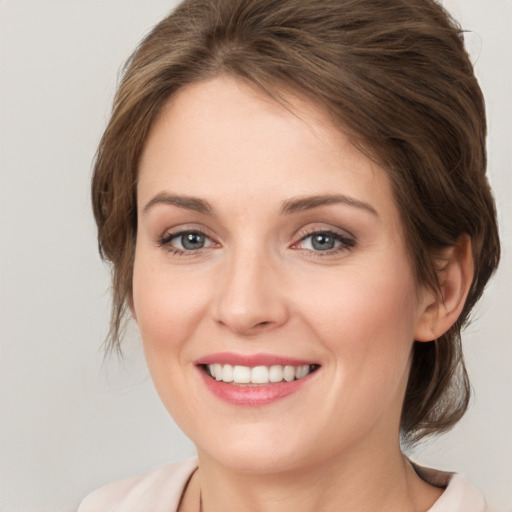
{"x": 186, "y": 241}
{"x": 320, "y": 242}
{"x": 325, "y": 241}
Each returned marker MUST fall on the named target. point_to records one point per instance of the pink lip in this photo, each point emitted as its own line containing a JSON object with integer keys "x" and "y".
{"x": 250, "y": 360}
{"x": 252, "y": 395}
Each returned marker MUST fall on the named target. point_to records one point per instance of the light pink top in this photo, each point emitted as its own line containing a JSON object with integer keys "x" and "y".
{"x": 160, "y": 490}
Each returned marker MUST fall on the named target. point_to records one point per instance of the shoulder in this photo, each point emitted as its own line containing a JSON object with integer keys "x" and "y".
{"x": 158, "y": 490}
{"x": 460, "y": 495}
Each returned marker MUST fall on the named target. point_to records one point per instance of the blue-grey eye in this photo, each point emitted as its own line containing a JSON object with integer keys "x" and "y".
{"x": 192, "y": 240}
{"x": 186, "y": 242}
{"x": 326, "y": 241}
{"x": 323, "y": 242}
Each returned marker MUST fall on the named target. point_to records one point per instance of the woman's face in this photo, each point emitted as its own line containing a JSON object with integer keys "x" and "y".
{"x": 271, "y": 285}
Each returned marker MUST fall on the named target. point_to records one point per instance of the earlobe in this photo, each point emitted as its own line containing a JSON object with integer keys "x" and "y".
{"x": 442, "y": 308}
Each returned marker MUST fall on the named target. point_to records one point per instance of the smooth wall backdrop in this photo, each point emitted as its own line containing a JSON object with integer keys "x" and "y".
{"x": 71, "y": 421}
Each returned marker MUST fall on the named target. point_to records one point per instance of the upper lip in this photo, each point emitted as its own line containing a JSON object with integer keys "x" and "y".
{"x": 251, "y": 360}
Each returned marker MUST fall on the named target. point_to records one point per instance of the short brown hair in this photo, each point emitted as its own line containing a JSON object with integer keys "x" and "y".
{"x": 394, "y": 76}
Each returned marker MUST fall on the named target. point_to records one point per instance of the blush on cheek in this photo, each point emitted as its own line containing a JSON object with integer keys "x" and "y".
{"x": 165, "y": 321}
{"x": 368, "y": 323}
{"x": 168, "y": 308}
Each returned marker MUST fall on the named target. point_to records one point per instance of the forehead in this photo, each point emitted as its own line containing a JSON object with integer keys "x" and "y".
{"x": 224, "y": 138}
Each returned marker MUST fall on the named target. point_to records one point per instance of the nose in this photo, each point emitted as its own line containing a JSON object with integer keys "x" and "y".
{"x": 250, "y": 298}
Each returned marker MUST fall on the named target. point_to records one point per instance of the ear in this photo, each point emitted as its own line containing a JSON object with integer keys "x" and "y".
{"x": 441, "y": 309}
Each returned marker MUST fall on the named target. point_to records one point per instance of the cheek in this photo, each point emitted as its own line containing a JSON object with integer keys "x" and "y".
{"x": 365, "y": 317}
{"x": 367, "y": 326}
{"x": 167, "y": 305}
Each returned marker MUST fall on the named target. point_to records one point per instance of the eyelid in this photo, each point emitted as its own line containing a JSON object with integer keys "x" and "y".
{"x": 346, "y": 239}
{"x": 171, "y": 236}
{"x": 170, "y": 231}
{"x": 323, "y": 228}
{"x": 164, "y": 238}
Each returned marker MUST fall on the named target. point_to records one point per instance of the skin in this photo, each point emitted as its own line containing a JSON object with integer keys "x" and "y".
{"x": 260, "y": 286}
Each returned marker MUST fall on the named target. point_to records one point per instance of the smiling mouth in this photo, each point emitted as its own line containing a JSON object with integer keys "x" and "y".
{"x": 257, "y": 375}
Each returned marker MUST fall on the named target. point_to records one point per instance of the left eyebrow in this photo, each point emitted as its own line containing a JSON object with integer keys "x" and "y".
{"x": 186, "y": 202}
{"x": 300, "y": 204}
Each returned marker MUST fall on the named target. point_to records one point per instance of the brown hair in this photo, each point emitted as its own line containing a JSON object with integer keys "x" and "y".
{"x": 394, "y": 76}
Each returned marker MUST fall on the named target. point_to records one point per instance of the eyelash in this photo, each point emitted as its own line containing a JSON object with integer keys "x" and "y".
{"x": 344, "y": 243}
{"x": 166, "y": 239}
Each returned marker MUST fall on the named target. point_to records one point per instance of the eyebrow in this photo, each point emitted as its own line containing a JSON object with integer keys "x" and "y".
{"x": 309, "y": 202}
{"x": 189, "y": 203}
{"x": 289, "y": 206}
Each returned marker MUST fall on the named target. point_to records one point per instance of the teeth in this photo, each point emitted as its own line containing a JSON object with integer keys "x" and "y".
{"x": 275, "y": 374}
{"x": 242, "y": 374}
{"x": 301, "y": 371}
{"x": 258, "y": 374}
{"x": 227, "y": 373}
{"x": 217, "y": 368}
{"x": 289, "y": 373}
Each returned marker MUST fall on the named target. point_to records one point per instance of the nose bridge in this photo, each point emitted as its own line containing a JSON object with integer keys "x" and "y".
{"x": 250, "y": 298}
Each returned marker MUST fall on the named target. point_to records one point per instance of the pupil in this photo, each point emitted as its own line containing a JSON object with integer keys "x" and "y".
{"x": 323, "y": 242}
{"x": 192, "y": 240}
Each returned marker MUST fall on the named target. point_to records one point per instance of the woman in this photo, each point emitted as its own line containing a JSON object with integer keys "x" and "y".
{"x": 293, "y": 198}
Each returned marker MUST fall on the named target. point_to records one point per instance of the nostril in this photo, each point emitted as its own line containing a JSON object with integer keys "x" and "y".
{"x": 262, "y": 324}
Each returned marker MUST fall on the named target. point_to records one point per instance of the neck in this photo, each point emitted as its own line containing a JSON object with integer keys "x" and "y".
{"x": 368, "y": 484}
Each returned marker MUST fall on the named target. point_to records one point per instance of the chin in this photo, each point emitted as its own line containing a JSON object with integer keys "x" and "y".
{"x": 252, "y": 460}
{"x": 259, "y": 450}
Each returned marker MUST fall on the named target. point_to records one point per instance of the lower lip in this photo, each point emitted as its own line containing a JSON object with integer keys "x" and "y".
{"x": 255, "y": 395}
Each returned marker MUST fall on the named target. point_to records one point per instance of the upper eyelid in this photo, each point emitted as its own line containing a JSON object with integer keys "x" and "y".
{"x": 164, "y": 242}
{"x": 311, "y": 230}
{"x": 169, "y": 233}
{"x": 185, "y": 228}
{"x": 344, "y": 240}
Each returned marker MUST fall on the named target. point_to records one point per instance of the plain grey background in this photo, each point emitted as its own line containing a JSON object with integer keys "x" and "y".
{"x": 71, "y": 422}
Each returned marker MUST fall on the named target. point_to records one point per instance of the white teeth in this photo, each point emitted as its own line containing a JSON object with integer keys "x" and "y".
{"x": 217, "y": 371}
{"x": 289, "y": 373}
{"x": 258, "y": 374}
{"x": 275, "y": 373}
{"x": 242, "y": 374}
{"x": 227, "y": 373}
{"x": 301, "y": 371}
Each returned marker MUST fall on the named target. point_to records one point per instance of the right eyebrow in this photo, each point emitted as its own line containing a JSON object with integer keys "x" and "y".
{"x": 186, "y": 202}
{"x": 310, "y": 202}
